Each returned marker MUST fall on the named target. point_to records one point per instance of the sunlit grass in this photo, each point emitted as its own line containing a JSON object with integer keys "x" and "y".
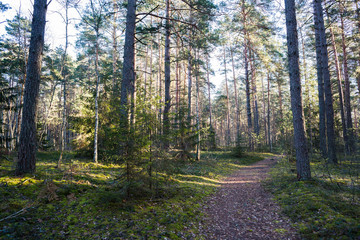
{"x": 328, "y": 207}
{"x": 83, "y": 199}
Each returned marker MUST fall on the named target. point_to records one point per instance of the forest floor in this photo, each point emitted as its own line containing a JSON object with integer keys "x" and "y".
{"x": 243, "y": 209}
{"x": 219, "y": 197}
{"x": 87, "y": 200}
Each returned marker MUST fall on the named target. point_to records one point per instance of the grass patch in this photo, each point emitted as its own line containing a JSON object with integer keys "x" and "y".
{"x": 327, "y": 207}
{"x": 85, "y": 200}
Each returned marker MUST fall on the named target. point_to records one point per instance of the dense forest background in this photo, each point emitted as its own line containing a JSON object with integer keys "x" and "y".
{"x": 173, "y": 105}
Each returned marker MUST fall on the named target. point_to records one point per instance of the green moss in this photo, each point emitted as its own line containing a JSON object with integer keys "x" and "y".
{"x": 320, "y": 208}
{"x": 91, "y": 202}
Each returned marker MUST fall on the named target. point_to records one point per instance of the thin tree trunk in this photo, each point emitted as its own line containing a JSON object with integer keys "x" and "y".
{"x": 236, "y": 101}
{"x": 28, "y": 141}
{"x": 247, "y": 89}
{"x": 114, "y": 47}
{"x": 268, "y": 111}
{"x": 228, "y": 136}
{"x": 307, "y": 101}
{"x": 96, "y": 131}
{"x": 160, "y": 84}
{"x": 209, "y": 89}
{"x": 341, "y": 98}
{"x": 347, "y": 100}
{"x": 264, "y": 110}
{"x": 198, "y": 147}
{"x": 254, "y": 92}
{"x": 280, "y": 106}
{"x": 302, "y": 158}
{"x": 167, "y": 75}
{"x": 64, "y": 76}
{"x": 320, "y": 30}
{"x": 321, "y": 95}
{"x": 189, "y": 71}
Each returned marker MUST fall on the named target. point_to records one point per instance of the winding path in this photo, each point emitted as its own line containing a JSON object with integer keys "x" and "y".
{"x": 242, "y": 209}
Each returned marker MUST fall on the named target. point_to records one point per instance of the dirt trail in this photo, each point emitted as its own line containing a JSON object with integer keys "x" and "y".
{"x": 242, "y": 209}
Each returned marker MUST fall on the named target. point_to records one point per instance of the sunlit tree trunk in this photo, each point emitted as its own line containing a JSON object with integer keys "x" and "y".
{"x": 268, "y": 111}
{"x": 321, "y": 95}
{"x": 236, "y": 101}
{"x": 128, "y": 80}
{"x": 114, "y": 47}
{"x": 329, "y": 110}
{"x": 339, "y": 82}
{"x": 209, "y": 89}
{"x": 228, "y": 136}
{"x": 254, "y": 92}
{"x": 347, "y": 100}
{"x": 64, "y": 79}
{"x": 247, "y": 90}
{"x": 198, "y": 146}
{"x": 167, "y": 74}
{"x": 302, "y": 158}
{"x": 28, "y": 142}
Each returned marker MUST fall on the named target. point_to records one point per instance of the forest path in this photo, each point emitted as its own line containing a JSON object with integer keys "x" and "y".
{"x": 242, "y": 209}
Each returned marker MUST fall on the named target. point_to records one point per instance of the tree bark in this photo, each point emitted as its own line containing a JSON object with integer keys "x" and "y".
{"x": 209, "y": 89}
{"x": 347, "y": 100}
{"x": 302, "y": 158}
{"x": 28, "y": 142}
{"x": 198, "y": 146}
{"x": 268, "y": 111}
{"x": 236, "y": 101}
{"x": 321, "y": 95}
{"x": 228, "y": 136}
{"x": 321, "y": 43}
{"x": 64, "y": 79}
{"x": 166, "y": 121}
{"x": 341, "y": 98}
{"x": 128, "y": 80}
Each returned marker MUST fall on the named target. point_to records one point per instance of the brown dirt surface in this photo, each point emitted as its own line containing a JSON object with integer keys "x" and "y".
{"x": 242, "y": 209}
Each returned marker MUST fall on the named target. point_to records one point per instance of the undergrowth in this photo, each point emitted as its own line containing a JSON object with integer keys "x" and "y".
{"x": 83, "y": 200}
{"x": 328, "y": 206}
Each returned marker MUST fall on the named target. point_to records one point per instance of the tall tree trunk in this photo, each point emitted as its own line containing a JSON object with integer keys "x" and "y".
{"x": 280, "y": 106}
{"x": 247, "y": 90}
{"x": 209, "y": 89}
{"x": 302, "y": 158}
{"x": 64, "y": 79}
{"x": 341, "y": 98}
{"x": 167, "y": 75}
{"x": 96, "y": 130}
{"x": 268, "y": 111}
{"x": 236, "y": 101}
{"x": 189, "y": 72}
{"x": 358, "y": 40}
{"x": 128, "y": 80}
{"x": 307, "y": 89}
{"x": 28, "y": 143}
{"x": 347, "y": 99}
{"x": 321, "y": 42}
{"x": 321, "y": 95}
{"x": 198, "y": 146}
{"x": 254, "y": 92}
{"x": 228, "y": 136}
{"x": 264, "y": 109}
{"x": 114, "y": 47}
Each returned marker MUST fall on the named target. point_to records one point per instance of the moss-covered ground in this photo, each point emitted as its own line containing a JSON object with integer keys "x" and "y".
{"x": 84, "y": 200}
{"x": 326, "y": 207}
